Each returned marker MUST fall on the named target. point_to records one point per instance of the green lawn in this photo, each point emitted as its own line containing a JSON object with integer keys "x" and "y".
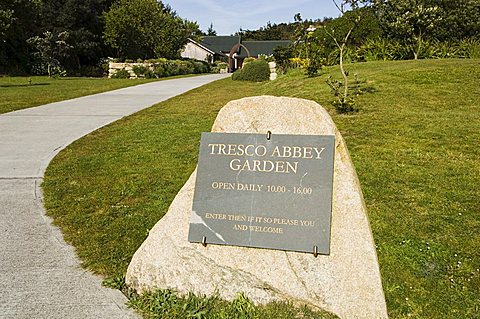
{"x": 23, "y": 92}
{"x": 413, "y": 144}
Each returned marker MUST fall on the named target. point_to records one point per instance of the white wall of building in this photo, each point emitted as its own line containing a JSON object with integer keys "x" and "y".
{"x": 193, "y": 51}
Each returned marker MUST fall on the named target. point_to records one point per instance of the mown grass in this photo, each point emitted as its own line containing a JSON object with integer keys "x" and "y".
{"x": 413, "y": 143}
{"x": 23, "y": 92}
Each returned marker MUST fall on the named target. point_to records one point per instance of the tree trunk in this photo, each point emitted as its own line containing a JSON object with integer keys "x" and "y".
{"x": 345, "y": 77}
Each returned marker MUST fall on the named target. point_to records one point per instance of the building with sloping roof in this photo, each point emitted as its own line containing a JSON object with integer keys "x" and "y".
{"x": 257, "y": 48}
{"x": 229, "y": 48}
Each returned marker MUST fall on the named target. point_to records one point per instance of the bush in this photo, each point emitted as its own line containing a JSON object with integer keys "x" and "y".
{"x": 139, "y": 70}
{"x": 219, "y": 66}
{"x": 200, "y": 67}
{"x": 255, "y": 71}
{"x": 248, "y": 60}
{"x": 470, "y": 48}
{"x": 149, "y": 74}
{"x": 121, "y": 74}
{"x": 160, "y": 70}
{"x": 185, "y": 67}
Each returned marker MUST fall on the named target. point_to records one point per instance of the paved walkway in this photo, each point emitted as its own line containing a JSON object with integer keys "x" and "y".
{"x": 40, "y": 276}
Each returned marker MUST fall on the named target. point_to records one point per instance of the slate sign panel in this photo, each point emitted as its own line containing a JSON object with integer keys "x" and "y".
{"x": 267, "y": 193}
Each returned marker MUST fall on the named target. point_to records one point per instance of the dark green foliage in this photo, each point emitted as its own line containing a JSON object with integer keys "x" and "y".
{"x": 281, "y": 31}
{"x": 443, "y": 20}
{"x": 84, "y": 23}
{"x": 282, "y": 56}
{"x": 121, "y": 74}
{"x": 211, "y": 31}
{"x": 139, "y": 70}
{"x": 461, "y": 20}
{"x": 255, "y": 71}
{"x": 146, "y": 29}
{"x": 201, "y": 67}
{"x": 149, "y": 74}
{"x": 387, "y": 49}
{"x": 90, "y": 71}
{"x": 166, "y": 304}
{"x": 17, "y": 25}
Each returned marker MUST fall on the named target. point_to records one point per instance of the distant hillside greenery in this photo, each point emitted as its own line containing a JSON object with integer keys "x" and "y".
{"x": 75, "y": 37}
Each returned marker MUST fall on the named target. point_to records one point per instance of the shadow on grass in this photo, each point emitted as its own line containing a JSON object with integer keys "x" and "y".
{"x": 22, "y": 85}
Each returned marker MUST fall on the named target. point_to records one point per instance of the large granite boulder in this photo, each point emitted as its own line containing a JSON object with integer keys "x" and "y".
{"x": 347, "y": 282}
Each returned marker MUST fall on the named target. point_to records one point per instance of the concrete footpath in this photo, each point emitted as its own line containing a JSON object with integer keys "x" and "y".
{"x": 40, "y": 275}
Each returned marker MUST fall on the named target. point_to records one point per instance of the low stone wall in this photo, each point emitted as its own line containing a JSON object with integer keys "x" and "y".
{"x": 113, "y": 67}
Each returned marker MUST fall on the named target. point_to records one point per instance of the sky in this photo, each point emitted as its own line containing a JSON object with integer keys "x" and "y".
{"x": 229, "y": 16}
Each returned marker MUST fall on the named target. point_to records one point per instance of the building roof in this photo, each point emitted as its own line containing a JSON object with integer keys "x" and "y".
{"x": 220, "y": 44}
{"x": 223, "y": 44}
{"x": 256, "y": 48}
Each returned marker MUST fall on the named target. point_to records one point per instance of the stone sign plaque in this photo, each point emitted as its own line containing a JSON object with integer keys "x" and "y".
{"x": 264, "y": 191}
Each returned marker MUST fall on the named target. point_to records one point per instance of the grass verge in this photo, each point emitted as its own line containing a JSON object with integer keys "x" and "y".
{"x": 23, "y": 92}
{"x": 413, "y": 144}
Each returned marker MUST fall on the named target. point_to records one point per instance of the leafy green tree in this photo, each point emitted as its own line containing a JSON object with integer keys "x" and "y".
{"x": 172, "y": 35}
{"x": 461, "y": 20}
{"x": 410, "y": 21}
{"x": 131, "y": 26}
{"x": 51, "y": 48}
{"x": 146, "y": 28}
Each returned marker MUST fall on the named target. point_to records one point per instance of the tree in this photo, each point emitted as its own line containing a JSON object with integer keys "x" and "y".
{"x": 146, "y": 28}
{"x": 51, "y": 47}
{"x": 6, "y": 19}
{"x": 211, "y": 31}
{"x": 410, "y": 21}
{"x": 17, "y": 24}
{"x": 83, "y": 21}
{"x": 461, "y": 20}
{"x": 344, "y": 103}
{"x": 172, "y": 35}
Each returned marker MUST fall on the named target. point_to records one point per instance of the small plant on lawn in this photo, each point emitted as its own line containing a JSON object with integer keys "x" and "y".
{"x": 343, "y": 103}
{"x": 340, "y": 103}
{"x": 347, "y": 105}
{"x": 254, "y": 71}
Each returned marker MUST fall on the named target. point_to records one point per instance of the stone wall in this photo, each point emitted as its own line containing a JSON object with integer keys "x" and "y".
{"x": 113, "y": 67}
